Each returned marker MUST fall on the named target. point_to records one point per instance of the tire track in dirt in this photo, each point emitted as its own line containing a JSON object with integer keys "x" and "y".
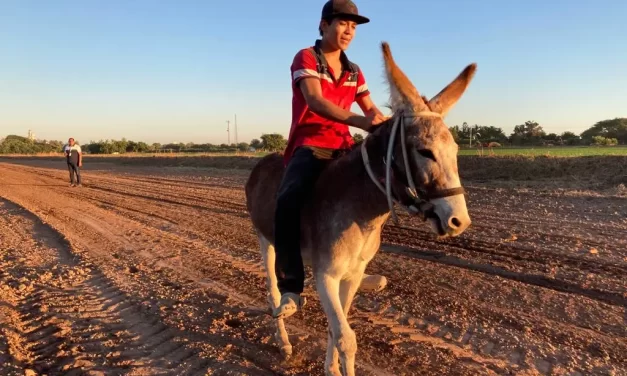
{"x": 516, "y": 253}
{"x": 152, "y": 195}
{"x": 474, "y": 344}
{"x": 531, "y": 279}
{"x": 568, "y": 268}
{"x": 496, "y": 347}
{"x": 69, "y": 317}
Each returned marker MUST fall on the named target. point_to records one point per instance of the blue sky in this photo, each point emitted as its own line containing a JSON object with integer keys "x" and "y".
{"x": 164, "y": 71}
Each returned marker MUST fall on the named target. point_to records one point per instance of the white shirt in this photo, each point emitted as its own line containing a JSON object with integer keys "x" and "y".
{"x": 68, "y": 149}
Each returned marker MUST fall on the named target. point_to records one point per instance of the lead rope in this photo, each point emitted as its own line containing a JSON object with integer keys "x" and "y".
{"x": 388, "y": 168}
{"x": 412, "y": 187}
{"x": 387, "y": 191}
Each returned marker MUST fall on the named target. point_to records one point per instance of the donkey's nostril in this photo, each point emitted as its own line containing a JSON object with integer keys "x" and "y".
{"x": 455, "y": 222}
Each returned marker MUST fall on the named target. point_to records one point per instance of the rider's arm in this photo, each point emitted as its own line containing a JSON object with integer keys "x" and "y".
{"x": 363, "y": 98}
{"x": 367, "y": 106}
{"x": 310, "y": 87}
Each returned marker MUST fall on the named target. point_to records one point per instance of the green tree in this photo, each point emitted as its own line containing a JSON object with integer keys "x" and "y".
{"x": 255, "y": 143}
{"x": 18, "y": 138}
{"x": 142, "y": 147}
{"x": 614, "y": 128}
{"x": 604, "y": 141}
{"x": 552, "y": 139}
{"x": 131, "y": 147}
{"x": 529, "y": 133}
{"x": 13, "y": 144}
{"x": 273, "y": 142}
{"x": 490, "y": 133}
{"x": 120, "y": 146}
{"x": 569, "y": 138}
{"x": 486, "y": 133}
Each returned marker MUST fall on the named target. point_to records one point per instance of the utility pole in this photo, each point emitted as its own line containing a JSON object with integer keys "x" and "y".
{"x": 228, "y": 131}
{"x": 470, "y": 141}
{"x": 236, "y": 129}
{"x": 465, "y": 125}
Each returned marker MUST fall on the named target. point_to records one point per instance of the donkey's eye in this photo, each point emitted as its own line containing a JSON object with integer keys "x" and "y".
{"x": 427, "y": 154}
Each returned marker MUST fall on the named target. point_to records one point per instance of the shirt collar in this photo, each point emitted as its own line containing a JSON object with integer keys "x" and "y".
{"x": 343, "y": 58}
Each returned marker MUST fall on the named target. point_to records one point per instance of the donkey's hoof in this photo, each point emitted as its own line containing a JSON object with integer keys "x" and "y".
{"x": 333, "y": 371}
{"x": 290, "y": 303}
{"x": 286, "y": 351}
{"x": 373, "y": 283}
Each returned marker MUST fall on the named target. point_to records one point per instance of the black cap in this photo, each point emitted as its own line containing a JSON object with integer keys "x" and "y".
{"x": 342, "y": 8}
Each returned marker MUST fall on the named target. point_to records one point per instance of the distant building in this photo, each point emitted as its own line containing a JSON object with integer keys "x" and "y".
{"x": 31, "y": 135}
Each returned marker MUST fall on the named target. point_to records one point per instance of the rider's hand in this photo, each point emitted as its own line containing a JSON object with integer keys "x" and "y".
{"x": 372, "y": 121}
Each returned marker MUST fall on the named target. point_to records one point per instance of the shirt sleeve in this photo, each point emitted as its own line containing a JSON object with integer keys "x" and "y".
{"x": 78, "y": 148}
{"x": 362, "y": 86}
{"x": 303, "y": 66}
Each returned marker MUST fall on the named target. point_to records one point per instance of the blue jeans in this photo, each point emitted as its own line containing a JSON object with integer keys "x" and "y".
{"x": 298, "y": 182}
{"x": 74, "y": 170}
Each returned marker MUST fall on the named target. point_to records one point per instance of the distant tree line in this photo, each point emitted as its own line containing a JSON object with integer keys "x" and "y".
{"x": 21, "y": 145}
{"x": 129, "y": 146}
{"x": 604, "y": 133}
{"x": 267, "y": 142}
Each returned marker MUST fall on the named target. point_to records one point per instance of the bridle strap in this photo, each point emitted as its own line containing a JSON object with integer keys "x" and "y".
{"x": 419, "y": 199}
{"x": 388, "y": 170}
{"x": 444, "y": 193}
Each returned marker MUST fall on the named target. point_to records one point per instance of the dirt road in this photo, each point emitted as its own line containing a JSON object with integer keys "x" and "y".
{"x": 156, "y": 271}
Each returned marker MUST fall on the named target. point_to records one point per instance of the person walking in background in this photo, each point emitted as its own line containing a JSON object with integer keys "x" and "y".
{"x": 74, "y": 157}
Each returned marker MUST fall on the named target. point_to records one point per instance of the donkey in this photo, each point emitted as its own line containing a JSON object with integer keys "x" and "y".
{"x": 342, "y": 221}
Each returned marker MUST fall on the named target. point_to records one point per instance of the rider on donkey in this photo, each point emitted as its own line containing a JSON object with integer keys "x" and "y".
{"x": 324, "y": 86}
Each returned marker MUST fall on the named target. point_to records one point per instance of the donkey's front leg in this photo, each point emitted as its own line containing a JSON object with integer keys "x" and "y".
{"x": 342, "y": 336}
{"x": 332, "y": 360}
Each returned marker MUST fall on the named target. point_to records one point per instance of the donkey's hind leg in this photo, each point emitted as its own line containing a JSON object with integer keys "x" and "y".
{"x": 274, "y": 296}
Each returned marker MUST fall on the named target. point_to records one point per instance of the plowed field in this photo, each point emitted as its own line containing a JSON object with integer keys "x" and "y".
{"x": 156, "y": 271}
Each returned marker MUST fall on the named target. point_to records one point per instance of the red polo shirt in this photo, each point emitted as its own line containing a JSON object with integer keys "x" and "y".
{"x": 309, "y": 128}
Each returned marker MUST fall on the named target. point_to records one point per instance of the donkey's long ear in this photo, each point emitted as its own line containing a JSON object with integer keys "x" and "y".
{"x": 446, "y": 99}
{"x": 403, "y": 93}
